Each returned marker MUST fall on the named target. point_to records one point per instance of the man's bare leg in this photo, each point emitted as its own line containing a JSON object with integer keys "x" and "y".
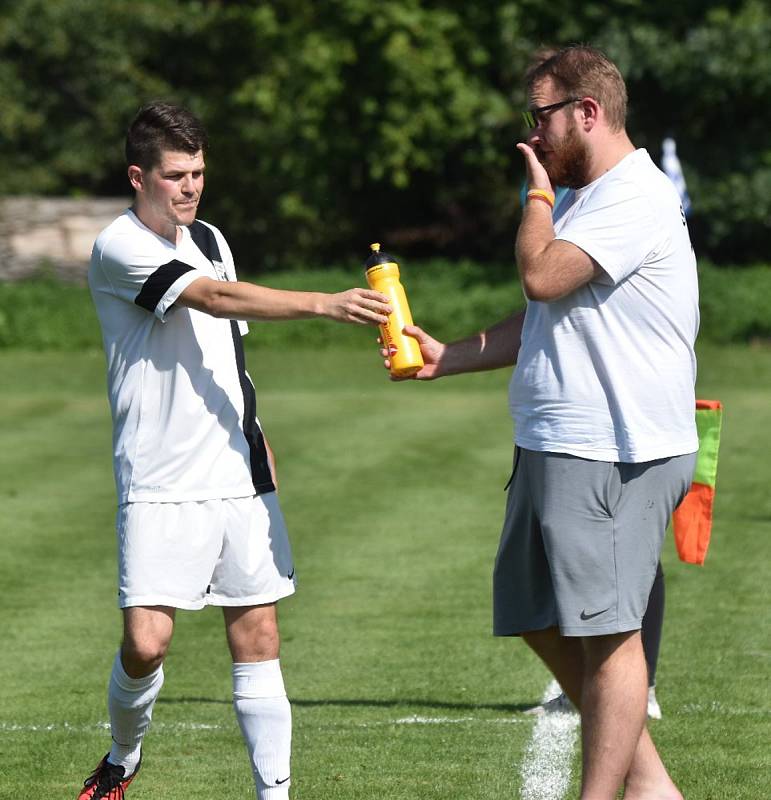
{"x": 613, "y": 710}
{"x": 647, "y": 778}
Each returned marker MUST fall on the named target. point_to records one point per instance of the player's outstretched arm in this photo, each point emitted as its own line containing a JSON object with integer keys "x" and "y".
{"x": 249, "y": 301}
{"x": 493, "y": 348}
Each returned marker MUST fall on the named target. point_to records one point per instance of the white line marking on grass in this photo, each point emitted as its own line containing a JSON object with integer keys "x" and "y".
{"x": 553, "y": 732}
{"x": 418, "y": 720}
{"x": 546, "y": 766}
{"x": 12, "y": 727}
{"x": 54, "y": 727}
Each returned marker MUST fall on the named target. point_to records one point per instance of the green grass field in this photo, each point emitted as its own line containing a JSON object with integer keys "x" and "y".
{"x": 393, "y": 495}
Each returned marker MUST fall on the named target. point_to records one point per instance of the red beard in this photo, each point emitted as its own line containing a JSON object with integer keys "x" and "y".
{"x": 567, "y": 163}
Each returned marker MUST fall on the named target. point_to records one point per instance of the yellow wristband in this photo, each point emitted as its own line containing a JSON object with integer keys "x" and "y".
{"x": 541, "y": 194}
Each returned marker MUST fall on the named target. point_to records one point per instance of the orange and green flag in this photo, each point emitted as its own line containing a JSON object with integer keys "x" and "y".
{"x": 692, "y": 520}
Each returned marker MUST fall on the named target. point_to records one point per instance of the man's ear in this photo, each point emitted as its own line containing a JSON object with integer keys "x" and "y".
{"x": 136, "y": 177}
{"x": 590, "y": 112}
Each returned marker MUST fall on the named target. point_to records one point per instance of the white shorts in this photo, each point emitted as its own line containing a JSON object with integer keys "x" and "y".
{"x": 232, "y": 552}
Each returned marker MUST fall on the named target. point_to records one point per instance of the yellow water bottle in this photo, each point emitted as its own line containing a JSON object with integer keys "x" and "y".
{"x": 403, "y": 351}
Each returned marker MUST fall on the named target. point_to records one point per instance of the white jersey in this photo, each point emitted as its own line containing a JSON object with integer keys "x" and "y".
{"x": 607, "y": 372}
{"x": 184, "y": 425}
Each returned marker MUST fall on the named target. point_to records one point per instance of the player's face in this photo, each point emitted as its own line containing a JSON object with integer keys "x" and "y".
{"x": 557, "y": 142}
{"x": 169, "y": 193}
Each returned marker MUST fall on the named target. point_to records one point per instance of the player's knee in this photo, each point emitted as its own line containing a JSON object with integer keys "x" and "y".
{"x": 142, "y": 656}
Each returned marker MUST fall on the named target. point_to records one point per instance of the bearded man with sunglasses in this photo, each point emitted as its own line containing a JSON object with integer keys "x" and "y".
{"x": 602, "y": 399}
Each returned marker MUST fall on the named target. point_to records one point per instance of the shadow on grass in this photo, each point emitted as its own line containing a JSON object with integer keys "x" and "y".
{"x": 364, "y": 703}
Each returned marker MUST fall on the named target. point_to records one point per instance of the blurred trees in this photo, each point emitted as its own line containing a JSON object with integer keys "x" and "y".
{"x": 334, "y": 124}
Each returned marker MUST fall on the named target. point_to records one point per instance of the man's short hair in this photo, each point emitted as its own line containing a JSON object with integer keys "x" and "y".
{"x": 160, "y": 127}
{"x": 583, "y": 71}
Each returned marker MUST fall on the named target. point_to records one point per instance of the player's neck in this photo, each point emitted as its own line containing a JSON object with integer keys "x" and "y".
{"x": 614, "y": 149}
{"x": 156, "y": 223}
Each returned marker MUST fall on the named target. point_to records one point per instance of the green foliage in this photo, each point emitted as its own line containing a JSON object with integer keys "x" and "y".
{"x": 735, "y": 303}
{"x": 71, "y": 74}
{"x": 340, "y": 122}
{"x": 46, "y": 314}
{"x": 348, "y": 117}
{"x": 707, "y": 81}
{"x": 449, "y": 299}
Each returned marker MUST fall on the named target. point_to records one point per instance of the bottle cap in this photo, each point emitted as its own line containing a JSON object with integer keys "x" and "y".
{"x": 377, "y": 256}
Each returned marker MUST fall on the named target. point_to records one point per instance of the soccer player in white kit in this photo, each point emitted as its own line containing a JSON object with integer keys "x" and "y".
{"x": 198, "y": 520}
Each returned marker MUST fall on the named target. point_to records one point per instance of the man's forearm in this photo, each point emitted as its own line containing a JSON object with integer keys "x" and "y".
{"x": 493, "y": 348}
{"x": 249, "y": 301}
{"x": 535, "y": 234}
{"x": 242, "y": 300}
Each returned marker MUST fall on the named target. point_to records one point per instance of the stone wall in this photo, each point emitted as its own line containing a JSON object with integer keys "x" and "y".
{"x": 52, "y": 234}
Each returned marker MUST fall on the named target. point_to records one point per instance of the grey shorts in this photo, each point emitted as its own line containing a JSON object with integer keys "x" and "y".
{"x": 581, "y": 541}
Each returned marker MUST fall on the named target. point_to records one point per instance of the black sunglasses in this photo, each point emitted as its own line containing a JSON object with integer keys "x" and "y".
{"x": 531, "y": 115}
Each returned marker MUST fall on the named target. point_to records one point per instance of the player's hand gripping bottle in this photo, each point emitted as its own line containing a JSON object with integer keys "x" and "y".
{"x": 403, "y": 351}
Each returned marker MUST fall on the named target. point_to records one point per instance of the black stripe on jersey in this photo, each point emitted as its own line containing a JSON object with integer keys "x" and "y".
{"x": 205, "y": 240}
{"x": 258, "y": 453}
{"x": 262, "y": 480}
{"x": 158, "y": 284}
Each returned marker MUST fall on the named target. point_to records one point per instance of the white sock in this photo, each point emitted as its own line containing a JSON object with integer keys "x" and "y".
{"x": 265, "y": 717}
{"x": 131, "y": 702}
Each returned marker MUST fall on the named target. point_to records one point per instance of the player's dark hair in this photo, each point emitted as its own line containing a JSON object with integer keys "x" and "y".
{"x": 158, "y": 127}
{"x": 583, "y": 71}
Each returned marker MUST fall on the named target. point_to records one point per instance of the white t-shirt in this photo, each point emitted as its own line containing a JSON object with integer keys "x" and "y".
{"x": 176, "y": 381}
{"x": 607, "y": 372}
